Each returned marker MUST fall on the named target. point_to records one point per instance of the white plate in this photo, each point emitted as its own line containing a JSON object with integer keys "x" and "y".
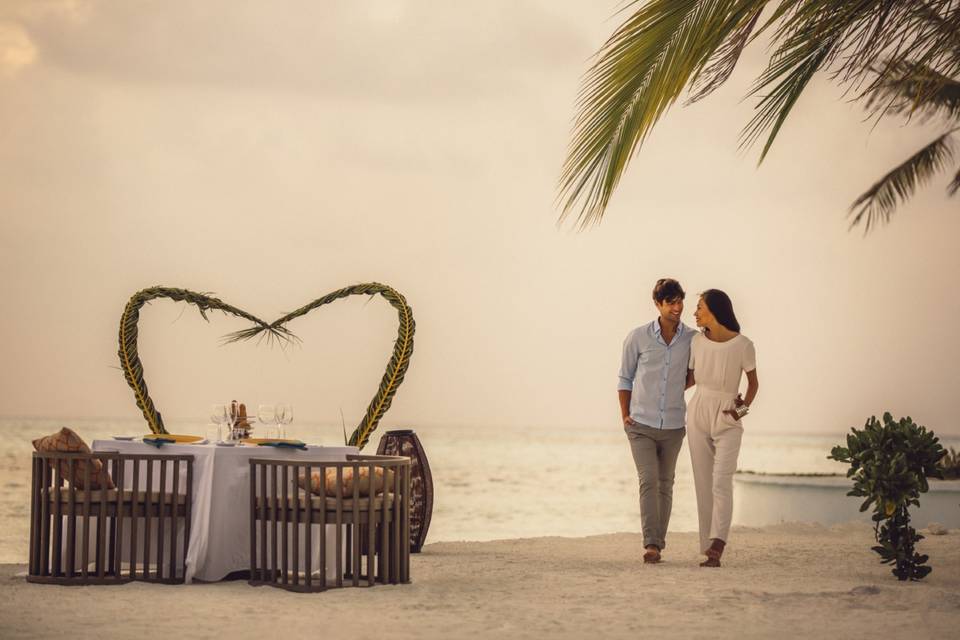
{"x": 226, "y": 444}
{"x": 124, "y": 437}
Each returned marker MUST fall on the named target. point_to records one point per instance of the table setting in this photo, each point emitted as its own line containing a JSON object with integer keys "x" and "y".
{"x": 219, "y": 533}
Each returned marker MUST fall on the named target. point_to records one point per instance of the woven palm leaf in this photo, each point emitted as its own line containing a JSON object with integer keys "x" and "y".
{"x": 392, "y": 377}
{"x": 130, "y": 359}
{"x": 399, "y": 361}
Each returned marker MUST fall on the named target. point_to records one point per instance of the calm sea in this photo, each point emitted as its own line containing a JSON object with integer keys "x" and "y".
{"x": 489, "y": 483}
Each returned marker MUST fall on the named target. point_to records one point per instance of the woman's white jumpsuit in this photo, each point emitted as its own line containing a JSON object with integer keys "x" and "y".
{"x": 713, "y": 436}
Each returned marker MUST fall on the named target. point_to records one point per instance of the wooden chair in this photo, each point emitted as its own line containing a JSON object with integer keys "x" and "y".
{"x": 77, "y": 535}
{"x": 371, "y": 533}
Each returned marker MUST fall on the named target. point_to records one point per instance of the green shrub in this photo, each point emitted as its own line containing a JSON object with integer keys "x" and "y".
{"x": 890, "y": 464}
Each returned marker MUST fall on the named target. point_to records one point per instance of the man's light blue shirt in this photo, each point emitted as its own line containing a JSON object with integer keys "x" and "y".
{"x": 655, "y": 374}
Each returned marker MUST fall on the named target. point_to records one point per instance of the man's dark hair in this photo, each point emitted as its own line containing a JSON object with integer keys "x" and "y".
{"x": 668, "y": 290}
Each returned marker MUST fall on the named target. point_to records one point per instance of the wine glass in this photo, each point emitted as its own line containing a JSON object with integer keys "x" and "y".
{"x": 267, "y": 414}
{"x": 220, "y": 415}
{"x": 284, "y": 417}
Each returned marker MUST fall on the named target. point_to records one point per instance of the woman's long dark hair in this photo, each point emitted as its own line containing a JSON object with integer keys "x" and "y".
{"x": 722, "y": 309}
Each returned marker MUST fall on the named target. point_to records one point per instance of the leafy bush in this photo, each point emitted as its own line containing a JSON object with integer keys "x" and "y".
{"x": 890, "y": 464}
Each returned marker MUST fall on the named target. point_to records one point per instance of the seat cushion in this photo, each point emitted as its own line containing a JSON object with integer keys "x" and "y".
{"x": 111, "y": 496}
{"x": 96, "y": 496}
{"x": 330, "y": 504}
{"x": 67, "y": 441}
{"x": 363, "y": 504}
{"x": 330, "y": 486}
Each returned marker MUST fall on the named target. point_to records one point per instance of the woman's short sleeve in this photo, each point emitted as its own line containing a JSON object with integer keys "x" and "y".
{"x": 693, "y": 349}
{"x": 749, "y": 357}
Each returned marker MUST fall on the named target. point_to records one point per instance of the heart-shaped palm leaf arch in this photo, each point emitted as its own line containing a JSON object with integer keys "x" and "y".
{"x": 396, "y": 368}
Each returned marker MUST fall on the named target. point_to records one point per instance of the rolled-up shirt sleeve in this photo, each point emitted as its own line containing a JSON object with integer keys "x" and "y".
{"x": 628, "y": 365}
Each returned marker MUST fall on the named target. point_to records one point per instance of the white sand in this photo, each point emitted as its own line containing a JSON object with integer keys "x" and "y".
{"x": 793, "y": 580}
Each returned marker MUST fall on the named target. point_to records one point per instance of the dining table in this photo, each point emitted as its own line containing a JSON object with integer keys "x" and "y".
{"x": 219, "y": 538}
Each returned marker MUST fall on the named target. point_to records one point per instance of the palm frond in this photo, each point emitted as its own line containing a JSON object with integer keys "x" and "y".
{"x": 638, "y": 74}
{"x": 399, "y": 361}
{"x": 910, "y": 88}
{"x": 396, "y": 367}
{"x": 723, "y": 61}
{"x": 127, "y": 350}
{"x": 954, "y": 184}
{"x": 271, "y": 333}
{"x": 792, "y": 71}
{"x": 667, "y": 46}
{"x": 878, "y": 203}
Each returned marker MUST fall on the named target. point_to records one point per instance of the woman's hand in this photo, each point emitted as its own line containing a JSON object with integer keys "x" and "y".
{"x": 737, "y": 402}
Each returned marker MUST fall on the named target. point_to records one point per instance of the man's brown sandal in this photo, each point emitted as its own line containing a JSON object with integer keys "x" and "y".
{"x": 652, "y": 556}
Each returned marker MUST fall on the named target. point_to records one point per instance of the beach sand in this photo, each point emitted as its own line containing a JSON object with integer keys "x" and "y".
{"x": 788, "y": 581}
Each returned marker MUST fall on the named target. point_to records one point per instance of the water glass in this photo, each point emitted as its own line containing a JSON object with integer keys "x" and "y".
{"x": 220, "y": 415}
{"x": 284, "y": 417}
{"x": 266, "y": 412}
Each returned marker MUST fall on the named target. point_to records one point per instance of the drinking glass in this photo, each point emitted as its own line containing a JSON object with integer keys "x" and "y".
{"x": 284, "y": 417}
{"x": 220, "y": 415}
{"x": 213, "y": 433}
{"x": 267, "y": 414}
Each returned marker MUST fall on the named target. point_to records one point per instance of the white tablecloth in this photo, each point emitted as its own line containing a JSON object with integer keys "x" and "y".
{"x": 220, "y": 519}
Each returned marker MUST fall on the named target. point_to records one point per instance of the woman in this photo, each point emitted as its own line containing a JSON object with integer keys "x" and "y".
{"x": 718, "y": 358}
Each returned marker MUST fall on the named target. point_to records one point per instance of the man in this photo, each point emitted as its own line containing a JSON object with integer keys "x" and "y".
{"x": 653, "y": 377}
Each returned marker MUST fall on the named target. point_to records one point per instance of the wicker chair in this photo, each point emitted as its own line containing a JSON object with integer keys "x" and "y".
{"x": 100, "y": 516}
{"x": 371, "y": 532}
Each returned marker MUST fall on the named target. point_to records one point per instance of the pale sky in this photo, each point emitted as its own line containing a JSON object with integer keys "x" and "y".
{"x": 271, "y": 152}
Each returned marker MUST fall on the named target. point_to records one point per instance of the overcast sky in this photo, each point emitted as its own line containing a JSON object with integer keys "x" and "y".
{"x": 271, "y": 152}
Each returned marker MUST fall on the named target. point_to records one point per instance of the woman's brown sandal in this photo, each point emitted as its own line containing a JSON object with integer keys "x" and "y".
{"x": 713, "y": 559}
{"x": 713, "y": 554}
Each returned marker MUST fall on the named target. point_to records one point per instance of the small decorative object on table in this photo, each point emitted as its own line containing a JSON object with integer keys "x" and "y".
{"x": 239, "y": 423}
{"x": 404, "y": 442}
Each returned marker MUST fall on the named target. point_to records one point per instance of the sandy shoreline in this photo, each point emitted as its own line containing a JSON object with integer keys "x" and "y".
{"x": 792, "y": 580}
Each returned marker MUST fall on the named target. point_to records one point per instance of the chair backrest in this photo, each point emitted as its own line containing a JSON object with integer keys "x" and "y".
{"x": 91, "y": 494}
{"x": 365, "y": 498}
{"x": 158, "y": 487}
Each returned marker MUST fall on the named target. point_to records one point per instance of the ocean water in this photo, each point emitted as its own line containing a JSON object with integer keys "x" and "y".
{"x": 490, "y": 483}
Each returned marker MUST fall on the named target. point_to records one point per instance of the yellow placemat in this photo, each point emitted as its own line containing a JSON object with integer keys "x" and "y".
{"x": 179, "y": 439}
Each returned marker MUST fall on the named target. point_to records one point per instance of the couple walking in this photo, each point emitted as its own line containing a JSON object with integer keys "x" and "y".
{"x": 661, "y": 360}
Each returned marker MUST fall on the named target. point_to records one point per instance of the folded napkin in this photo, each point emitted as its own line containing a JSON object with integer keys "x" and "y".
{"x": 289, "y": 445}
{"x": 159, "y": 442}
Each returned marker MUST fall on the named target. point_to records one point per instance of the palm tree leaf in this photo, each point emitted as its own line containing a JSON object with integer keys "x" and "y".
{"x": 773, "y": 109}
{"x": 666, "y": 46}
{"x": 396, "y": 367}
{"x": 809, "y": 34}
{"x": 954, "y": 184}
{"x": 637, "y": 75}
{"x": 879, "y": 201}
{"x": 723, "y": 61}
{"x": 909, "y": 88}
{"x": 399, "y": 360}
{"x": 127, "y": 350}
